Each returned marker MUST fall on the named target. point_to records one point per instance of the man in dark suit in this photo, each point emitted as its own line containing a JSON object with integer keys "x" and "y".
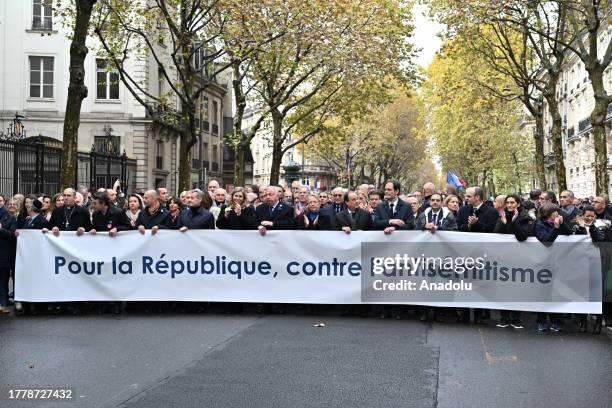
{"x": 476, "y": 216}
{"x": 274, "y": 214}
{"x": 393, "y": 214}
{"x": 108, "y": 217}
{"x": 353, "y": 218}
{"x": 35, "y": 220}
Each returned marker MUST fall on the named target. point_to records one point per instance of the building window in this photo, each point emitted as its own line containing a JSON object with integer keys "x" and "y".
{"x": 205, "y": 153}
{"x": 160, "y": 82}
{"x": 204, "y": 113}
{"x": 215, "y": 117}
{"x": 159, "y": 154}
{"x": 215, "y": 158}
{"x": 41, "y": 77}
{"x": 107, "y": 81}
{"x": 42, "y": 17}
{"x": 107, "y": 144}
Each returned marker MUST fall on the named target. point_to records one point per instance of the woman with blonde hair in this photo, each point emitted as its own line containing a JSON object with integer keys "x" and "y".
{"x": 237, "y": 215}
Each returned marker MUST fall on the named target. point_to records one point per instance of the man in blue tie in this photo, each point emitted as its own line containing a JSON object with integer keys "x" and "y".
{"x": 436, "y": 217}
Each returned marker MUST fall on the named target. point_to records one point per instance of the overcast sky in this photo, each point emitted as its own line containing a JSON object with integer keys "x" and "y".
{"x": 425, "y": 36}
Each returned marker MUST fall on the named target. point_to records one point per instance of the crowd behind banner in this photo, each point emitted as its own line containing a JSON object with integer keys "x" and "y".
{"x": 297, "y": 207}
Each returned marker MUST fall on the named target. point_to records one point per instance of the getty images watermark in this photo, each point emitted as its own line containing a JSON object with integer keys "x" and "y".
{"x": 480, "y": 271}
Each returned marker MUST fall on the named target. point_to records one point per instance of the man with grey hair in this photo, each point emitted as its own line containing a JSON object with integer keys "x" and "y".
{"x": 569, "y": 211}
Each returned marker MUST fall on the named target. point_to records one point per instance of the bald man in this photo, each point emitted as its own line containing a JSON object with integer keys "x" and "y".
{"x": 428, "y": 189}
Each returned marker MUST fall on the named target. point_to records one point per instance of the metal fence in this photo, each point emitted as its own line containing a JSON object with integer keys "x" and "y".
{"x": 32, "y": 166}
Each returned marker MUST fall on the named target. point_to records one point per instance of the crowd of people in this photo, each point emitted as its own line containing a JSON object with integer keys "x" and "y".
{"x": 297, "y": 207}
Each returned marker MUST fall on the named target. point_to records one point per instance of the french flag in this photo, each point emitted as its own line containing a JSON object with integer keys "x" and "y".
{"x": 452, "y": 179}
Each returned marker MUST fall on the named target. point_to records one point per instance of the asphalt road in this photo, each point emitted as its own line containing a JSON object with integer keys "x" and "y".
{"x": 215, "y": 360}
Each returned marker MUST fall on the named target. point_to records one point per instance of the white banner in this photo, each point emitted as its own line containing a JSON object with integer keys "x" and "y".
{"x": 311, "y": 267}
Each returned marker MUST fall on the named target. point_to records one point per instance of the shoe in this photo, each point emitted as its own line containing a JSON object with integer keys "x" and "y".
{"x": 582, "y": 327}
{"x": 18, "y": 307}
{"x": 502, "y": 325}
{"x": 517, "y": 325}
{"x": 542, "y": 327}
{"x": 555, "y": 328}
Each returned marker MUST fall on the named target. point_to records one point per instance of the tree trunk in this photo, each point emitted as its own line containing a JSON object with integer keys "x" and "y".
{"x": 277, "y": 147}
{"x": 239, "y": 165}
{"x": 184, "y": 167}
{"x": 557, "y": 122}
{"x": 238, "y": 144}
{"x": 77, "y": 91}
{"x": 598, "y": 121}
{"x": 539, "y": 151}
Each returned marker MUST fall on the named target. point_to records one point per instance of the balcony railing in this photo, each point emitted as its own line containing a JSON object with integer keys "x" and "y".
{"x": 584, "y": 124}
{"x": 196, "y": 164}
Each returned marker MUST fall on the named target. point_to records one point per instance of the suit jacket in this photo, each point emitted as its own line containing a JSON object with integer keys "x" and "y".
{"x": 487, "y": 218}
{"x": 245, "y": 221}
{"x": 361, "y": 221}
{"x": 323, "y": 223}
{"x": 114, "y": 218}
{"x": 446, "y": 222}
{"x": 282, "y": 216}
{"x": 39, "y": 222}
{"x": 329, "y": 211}
{"x": 200, "y": 218}
{"x": 383, "y": 214}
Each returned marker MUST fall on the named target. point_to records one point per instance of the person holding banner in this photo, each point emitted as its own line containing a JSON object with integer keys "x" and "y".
{"x": 514, "y": 219}
{"x": 546, "y": 229}
{"x": 154, "y": 216}
{"x": 273, "y": 214}
{"x": 195, "y": 216}
{"x": 435, "y": 217}
{"x": 393, "y": 213}
{"x": 70, "y": 217}
{"x": 353, "y": 218}
{"x": 8, "y": 225}
{"x": 312, "y": 219}
{"x": 237, "y": 215}
{"x": 108, "y": 217}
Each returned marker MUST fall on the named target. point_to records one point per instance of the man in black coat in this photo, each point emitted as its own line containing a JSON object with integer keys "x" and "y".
{"x": 353, "y": 218}
{"x": 273, "y": 214}
{"x": 154, "y": 216}
{"x": 393, "y": 214}
{"x": 476, "y": 216}
{"x": 195, "y": 216}
{"x": 70, "y": 217}
{"x": 8, "y": 225}
{"x": 107, "y": 217}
